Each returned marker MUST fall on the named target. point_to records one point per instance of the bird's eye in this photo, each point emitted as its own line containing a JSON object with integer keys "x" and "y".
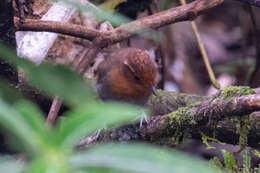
{"x": 136, "y": 78}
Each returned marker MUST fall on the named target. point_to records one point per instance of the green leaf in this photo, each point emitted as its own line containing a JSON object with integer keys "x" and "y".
{"x": 139, "y": 158}
{"x": 37, "y": 165}
{"x": 34, "y": 118}
{"x": 59, "y": 80}
{"x": 87, "y": 118}
{"x": 101, "y": 170}
{"x": 8, "y": 93}
{"x": 17, "y": 125}
{"x": 49, "y": 164}
{"x": 54, "y": 80}
{"x": 10, "y": 165}
{"x": 230, "y": 161}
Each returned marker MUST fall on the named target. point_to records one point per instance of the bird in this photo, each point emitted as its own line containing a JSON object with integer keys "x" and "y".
{"x": 127, "y": 75}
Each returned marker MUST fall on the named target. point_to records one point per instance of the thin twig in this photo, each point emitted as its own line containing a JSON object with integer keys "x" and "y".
{"x": 160, "y": 19}
{"x": 57, "y": 27}
{"x": 203, "y": 53}
{"x": 159, "y": 55}
{"x": 53, "y": 113}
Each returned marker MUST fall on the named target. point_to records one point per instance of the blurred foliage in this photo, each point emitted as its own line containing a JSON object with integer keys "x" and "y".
{"x": 231, "y": 164}
{"x": 53, "y": 80}
{"x": 53, "y": 149}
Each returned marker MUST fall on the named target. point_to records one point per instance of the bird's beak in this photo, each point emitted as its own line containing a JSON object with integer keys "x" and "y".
{"x": 154, "y": 91}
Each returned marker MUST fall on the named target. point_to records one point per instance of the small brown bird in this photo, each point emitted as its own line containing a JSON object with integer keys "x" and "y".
{"x": 127, "y": 75}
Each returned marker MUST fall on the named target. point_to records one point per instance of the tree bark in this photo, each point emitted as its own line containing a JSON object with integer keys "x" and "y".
{"x": 177, "y": 116}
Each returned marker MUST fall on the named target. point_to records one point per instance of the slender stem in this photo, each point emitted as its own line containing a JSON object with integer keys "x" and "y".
{"x": 203, "y": 53}
{"x": 54, "y": 110}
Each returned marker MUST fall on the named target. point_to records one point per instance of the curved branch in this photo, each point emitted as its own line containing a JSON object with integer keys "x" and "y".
{"x": 183, "y": 117}
{"x": 160, "y": 19}
{"x": 57, "y": 27}
{"x": 173, "y": 15}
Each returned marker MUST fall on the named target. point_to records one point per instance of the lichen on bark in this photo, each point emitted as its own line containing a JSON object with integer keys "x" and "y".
{"x": 236, "y": 91}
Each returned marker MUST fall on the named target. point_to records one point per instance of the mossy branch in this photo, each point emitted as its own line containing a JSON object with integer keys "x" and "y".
{"x": 176, "y": 114}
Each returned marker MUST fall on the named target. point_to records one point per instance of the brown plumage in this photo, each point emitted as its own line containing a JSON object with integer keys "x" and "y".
{"x": 128, "y": 75}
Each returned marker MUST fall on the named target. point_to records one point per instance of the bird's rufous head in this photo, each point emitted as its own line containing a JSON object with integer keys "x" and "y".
{"x": 131, "y": 75}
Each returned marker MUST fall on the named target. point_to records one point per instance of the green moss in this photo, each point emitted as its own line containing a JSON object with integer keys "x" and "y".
{"x": 182, "y": 116}
{"x": 244, "y": 121}
{"x": 244, "y": 131}
{"x": 205, "y": 140}
{"x": 160, "y": 95}
{"x": 234, "y": 91}
{"x": 180, "y": 122}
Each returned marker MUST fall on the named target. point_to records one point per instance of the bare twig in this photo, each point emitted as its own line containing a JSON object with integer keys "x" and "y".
{"x": 203, "y": 53}
{"x": 160, "y": 60}
{"x": 53, "y": 113}
{"x": 57, "y": 27}
{"x": 159, "y": 54}
{"x": 173, "y": 15}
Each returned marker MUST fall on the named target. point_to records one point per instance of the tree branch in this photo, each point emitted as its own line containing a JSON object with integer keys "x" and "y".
{"x": 187, "y": 114}
{"x": 173, "y": 15}
{"x": 57, "y": 27}
{"x": 53, "y": 113}
{"x": 160, "y": 19}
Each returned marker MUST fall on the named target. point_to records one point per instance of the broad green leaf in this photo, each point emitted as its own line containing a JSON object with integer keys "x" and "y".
{"x": 49, "y": 164}
{"x": 139, "y": 158}
{"x": 17, "y": 125}
{"x": 93, "y": 116}
{"x": 34, "y": 118}
{"x": 102, "y": 170}
{"x": 8, "y": 93}
{"x": 38, "y": 165}
{"x": 59, "y": 80}
{"x": 11, "y": 165}
{"x": 54, "y": 80}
